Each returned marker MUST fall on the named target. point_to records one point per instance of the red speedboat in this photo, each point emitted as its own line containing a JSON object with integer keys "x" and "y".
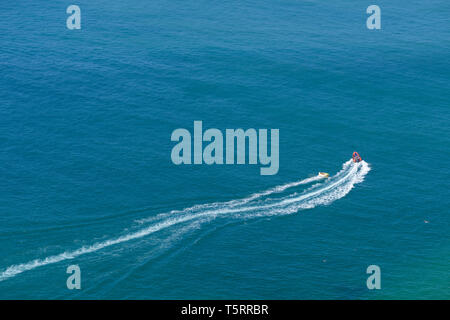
{"x": 356, "y": 157}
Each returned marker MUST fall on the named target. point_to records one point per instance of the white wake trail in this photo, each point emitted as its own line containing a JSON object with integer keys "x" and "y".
{"x": 337, "y": 187}
{"x": 276, "y": 189}
{"x": 233, "y": 203}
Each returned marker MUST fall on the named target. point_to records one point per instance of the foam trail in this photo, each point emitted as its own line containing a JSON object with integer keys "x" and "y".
{"x": 320, "y": 195}
{"x": 277, "y": 189}
{"x": 337, "y": 187}
{"x": 16, "y": 269}
{"x": 234, "y": 203}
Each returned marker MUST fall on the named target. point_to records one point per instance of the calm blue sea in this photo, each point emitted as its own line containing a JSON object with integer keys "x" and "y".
{"x": 86, "y": 176}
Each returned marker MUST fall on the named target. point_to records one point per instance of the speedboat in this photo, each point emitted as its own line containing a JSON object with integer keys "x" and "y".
{"x": 356, "y": 157}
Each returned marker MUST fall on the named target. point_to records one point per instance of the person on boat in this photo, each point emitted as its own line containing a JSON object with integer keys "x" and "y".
{"x": 356, "y": 157}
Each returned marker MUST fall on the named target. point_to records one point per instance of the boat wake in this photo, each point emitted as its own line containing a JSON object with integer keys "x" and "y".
{"x": 324, "y": 192}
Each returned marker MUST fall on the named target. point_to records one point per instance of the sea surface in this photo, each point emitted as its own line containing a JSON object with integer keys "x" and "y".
{"x": 86, "y": 176}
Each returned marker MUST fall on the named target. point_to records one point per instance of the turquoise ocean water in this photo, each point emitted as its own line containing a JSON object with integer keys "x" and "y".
{"x": 86, "y": 176}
